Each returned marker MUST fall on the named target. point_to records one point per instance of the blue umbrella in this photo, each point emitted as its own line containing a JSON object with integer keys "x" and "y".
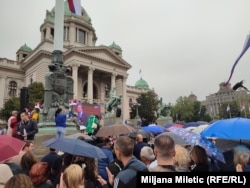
{"x": 75, "y": 147}
{"x": 196, "y": 139}
{"x": 156, "y": 129}
{"x": 191, "y": 124}
{"x": 232, "y": 129}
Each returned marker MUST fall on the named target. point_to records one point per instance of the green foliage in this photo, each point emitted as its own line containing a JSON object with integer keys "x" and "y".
{"x": 9, "y": 106}
{"x": 233, "y": 112}
{"x": 147, "y": 104}
{"x": 183, "y": 110}
{"x": 36, "y": 93}
{"x": 188, "y": 111}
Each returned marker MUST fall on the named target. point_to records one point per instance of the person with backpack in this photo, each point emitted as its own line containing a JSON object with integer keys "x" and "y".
{"x": 123, "y": 147}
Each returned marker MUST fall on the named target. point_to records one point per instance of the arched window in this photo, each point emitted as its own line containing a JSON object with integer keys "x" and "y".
{"x": 12, "y": 89}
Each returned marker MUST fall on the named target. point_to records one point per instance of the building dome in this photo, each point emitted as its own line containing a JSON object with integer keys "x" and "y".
{"x": 25, "y": 48}
{"x": 115, "y": 46}
{"x": 141, "y": 84}
{"x": 192, "y": 97}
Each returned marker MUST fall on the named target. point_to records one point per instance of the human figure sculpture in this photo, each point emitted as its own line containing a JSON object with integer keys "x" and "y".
{"x": 164, "y": 110}
{"x": 114, "y": 101}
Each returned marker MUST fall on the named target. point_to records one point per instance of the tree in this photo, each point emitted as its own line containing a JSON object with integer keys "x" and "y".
{"x": 183, "y": 110}
{"x": 36, "y": 93}
{"x": 188, "y": 110}
{"x": 229, "y": 110}
{"x": 147, "y": 104}
{"x": 9, "y": 106}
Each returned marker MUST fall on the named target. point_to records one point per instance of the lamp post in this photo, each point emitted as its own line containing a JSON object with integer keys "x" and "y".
{"x": 137, "y": 114}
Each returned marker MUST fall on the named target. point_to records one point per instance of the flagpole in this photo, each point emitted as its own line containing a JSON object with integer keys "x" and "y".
{"x": 57, "y": 55}
{"x": 59, "y": 19}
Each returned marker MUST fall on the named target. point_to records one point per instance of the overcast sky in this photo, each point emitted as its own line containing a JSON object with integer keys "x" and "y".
{"x": 181, "y": 46}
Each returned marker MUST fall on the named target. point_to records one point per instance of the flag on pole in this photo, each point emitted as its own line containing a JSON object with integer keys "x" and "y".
{"x": 228, "y": 108}
{"x": 75, "y": 7}
{"x": 140, "y": 71}
{"x": 245, "y": 47}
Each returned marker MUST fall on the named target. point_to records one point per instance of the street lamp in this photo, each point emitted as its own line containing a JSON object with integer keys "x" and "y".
{"x": 137, "y": 114}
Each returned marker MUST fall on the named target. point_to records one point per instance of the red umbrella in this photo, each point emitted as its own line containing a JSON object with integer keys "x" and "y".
{"x": 9, "y": 147}
{"x": 177, "y": 125}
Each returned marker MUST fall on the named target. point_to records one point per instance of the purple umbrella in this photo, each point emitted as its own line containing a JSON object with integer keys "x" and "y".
{"x": 196, "y": 139}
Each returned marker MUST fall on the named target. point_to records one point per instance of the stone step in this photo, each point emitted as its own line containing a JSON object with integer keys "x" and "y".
{"x": 46, "y": 133}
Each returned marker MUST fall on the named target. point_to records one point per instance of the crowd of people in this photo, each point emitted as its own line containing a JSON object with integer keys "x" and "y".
{"x": 125, "y": 156}
{"x": 23, "y": 125}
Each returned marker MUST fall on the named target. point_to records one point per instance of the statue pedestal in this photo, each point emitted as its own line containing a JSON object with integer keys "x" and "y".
{"x": 49, "y": 127}
{"x": 110, "y": 120}
{"x": 164, "y": 120}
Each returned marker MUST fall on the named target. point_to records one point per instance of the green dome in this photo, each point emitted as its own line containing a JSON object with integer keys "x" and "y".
{"x": 25, "y": 48}
{"x": 141, "y": 84}
{"x": 67, "y": 12}
{"x": 114, "y": 45}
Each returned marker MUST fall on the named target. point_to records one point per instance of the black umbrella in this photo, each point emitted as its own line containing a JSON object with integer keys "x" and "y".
{"x": 75, "y": 147}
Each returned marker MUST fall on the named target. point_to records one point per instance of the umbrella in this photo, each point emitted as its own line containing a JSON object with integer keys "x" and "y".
{"x": 191, "y": 124}
{"x": 75, "y": 147}
{"x": 145, "y": 134}
{"x": 227, "y": 145}
{"x": 198, "y": 129}
{"x": 176, "y": 138}
{"x": 156, "y": 129}
{"x": 196, "y": 139}
{"x": 176, "y": 125}
{"x": 75, "y": 136}
{"x": 115, "y": 129}
{"x": 9, "y": 147}
{"x": 232, "y": 129}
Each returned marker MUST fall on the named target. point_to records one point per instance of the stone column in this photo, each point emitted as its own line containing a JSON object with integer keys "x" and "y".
{"x": 4, "y": 88}
{"x": 113, "y": 82}
{"x": 47, "y": 34}
{"x": 72, "y": 34}
{"x": 90, "y": 85}
{"x": 125, "y": 111}
{"x": 75, "y": 78}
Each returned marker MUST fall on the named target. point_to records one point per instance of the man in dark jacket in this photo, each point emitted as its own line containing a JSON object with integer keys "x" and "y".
{"x": 127, "y": 176}
{"x": 27, "y": 128}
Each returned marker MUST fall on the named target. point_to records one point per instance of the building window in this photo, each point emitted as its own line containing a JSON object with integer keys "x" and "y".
{"x": 66, "y": 33}
{"x": 12, "y": 89}
{"x": 81, "y": 36}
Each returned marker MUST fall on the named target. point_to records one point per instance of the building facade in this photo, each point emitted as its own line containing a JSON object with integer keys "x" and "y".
{"x": 95, "y": 69}
{"x": 225, "y": 94}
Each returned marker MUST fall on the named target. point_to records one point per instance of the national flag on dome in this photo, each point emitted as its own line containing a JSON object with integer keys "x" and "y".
{"x": 75, "y": 7}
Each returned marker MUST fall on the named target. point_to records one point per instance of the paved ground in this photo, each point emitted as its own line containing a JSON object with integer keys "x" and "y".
{"x": 46, "y": 133}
